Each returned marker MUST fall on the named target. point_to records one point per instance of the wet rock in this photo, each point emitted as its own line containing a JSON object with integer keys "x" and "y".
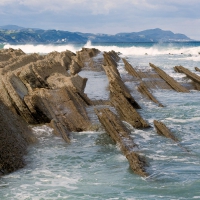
{"x": 120, "y": 96}
{"x": 109, "y": 61}
{"x": 117, "y": 86}
{"x": 127, "y": 112}
{"x": 197, "y": 69}
{"x": 130, "y": 69}
{"x": 114, "y": 56}
{"x": 64, "y": 109}
{"x": 188, "y": 73}
{"x": 121, "y": 135}
{"x": 85, "y": 59}
{"x": 14, "y": 138}
{"x": 164, "y": 131}
{"x": 143, "y": 89}
{"x": 174, "y": 84}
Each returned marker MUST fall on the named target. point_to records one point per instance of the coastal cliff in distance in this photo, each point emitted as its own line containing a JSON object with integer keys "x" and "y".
{"x": 14, "y": 35}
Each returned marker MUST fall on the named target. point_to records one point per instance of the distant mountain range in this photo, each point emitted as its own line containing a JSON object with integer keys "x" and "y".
{"x": 19, "y": 35}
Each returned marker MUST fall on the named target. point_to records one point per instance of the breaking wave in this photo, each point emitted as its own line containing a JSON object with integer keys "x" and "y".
{"x": 185, "y": 50}
{"x": 41, "y": 48}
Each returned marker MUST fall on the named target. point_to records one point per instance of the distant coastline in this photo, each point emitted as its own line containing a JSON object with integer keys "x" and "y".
{"x": 19, "y": 35}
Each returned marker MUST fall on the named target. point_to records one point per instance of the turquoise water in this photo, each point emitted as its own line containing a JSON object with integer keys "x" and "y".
{"x": 92, "y": 166}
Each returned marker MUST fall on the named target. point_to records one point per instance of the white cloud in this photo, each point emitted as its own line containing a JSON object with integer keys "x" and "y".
{"x": 106, "y": 16}
{"x": 104, "y": 6}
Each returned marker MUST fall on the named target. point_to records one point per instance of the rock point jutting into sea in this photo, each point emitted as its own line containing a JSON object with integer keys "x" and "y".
{"x": 47, "y": 89}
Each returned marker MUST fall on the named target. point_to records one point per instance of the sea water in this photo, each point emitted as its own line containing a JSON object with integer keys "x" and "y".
{"x": 92, "y": 166}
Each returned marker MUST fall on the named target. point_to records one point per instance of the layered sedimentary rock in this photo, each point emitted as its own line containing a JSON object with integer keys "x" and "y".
{"x": 120, "y": 96}
{"x": 85, "y": 59}
{"x": 64, "y": 58}
{"x": 194, "y": 77}
{"x": 174, "y": 84}
{"x": 42, "y": 91}
{"x": 114, "y": 56}
{"x": 197, "y": 69}
{"x": 19, "y": 61}
{"x": 144, "y": 90}
{"x": 63, "y": 108}
{"x": 14, "y": 138}
{"x": 120, "y": 134}
{"x": 6, "y": 54}
{"x": 164, "y": 131}
{"x": 130, "y": 69}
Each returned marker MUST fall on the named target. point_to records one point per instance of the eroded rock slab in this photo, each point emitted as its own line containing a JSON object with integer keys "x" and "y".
{"x": 85, "y": 59}
{"x": 164, "y": 131}
{"x": 120, "y": 96}
{"x": 174, "y": 84}
{"x": 144, "y": 90}
{"x": 14, "y": 138}
{"x": 194, "y": 77}
{"x": 63, "y": 107}
{"x": 6, "y": 54}
{"x": 129, "y": 68}
{"x": 120, "y": 134}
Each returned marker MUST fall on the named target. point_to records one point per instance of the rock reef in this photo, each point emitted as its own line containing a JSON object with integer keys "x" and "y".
{"x": 48, "y": 89}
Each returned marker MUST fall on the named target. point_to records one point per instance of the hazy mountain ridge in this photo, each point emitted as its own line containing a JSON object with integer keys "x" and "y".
{"x": 15, "y": 34}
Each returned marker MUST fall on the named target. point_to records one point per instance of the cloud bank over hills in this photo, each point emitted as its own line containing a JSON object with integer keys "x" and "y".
{"x": 15, "y": 34}
{"x": 104, "y": 16}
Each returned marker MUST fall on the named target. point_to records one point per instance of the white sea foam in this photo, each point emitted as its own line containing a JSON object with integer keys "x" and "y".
{"x": 40, "y": 48}
{"x": 157, "y": 49}
{"x": 189, "y": 53}
{"x": 194, "y": 119}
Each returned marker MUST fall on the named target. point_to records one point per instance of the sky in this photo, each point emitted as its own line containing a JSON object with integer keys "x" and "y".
{"x": 104, "y": 16}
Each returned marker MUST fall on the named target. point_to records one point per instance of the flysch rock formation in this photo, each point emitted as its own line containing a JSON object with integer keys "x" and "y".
{"x": 47, "y": 89}
{"x": 163, "y": 130}
{"x": 174, "y": 84}
{"x": 120, "y": 96}
{"x": 197, "y": 69}
{"x": 46, "y": 81}
{"x": 142, "y": 88}
{"x": 194, "y": 77}
{"x": 129, "y": 68}
{"x": 6, "y": 54}
{"x": 119, "y": 133}
{"x": 85, "y": 59}
{"x": 15, "y": 136}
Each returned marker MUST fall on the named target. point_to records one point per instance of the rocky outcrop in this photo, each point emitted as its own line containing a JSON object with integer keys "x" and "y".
{"x": 63, "y": 108}
{"x": 120, "y": 134}
{"x": 85, "y": 59}
{"x": 120, "y": 96}
{"x": 64, "y": 58}
{"x": 6, "y": 54}
{"x": 110, "y": 61}
{"x": 42, "y": 91}
{"x": 143, "y": 89}
{"x": 130, "y": 69}
{"x": 114, "y": 56}
{"x": 174, "y": 84}
{"x": 197, "y": 69}
{"x": 19, "y": 61}
{"x": 194, "y": 77}
{"x": 164, "y": 131}
{"x": 14, "y": 138}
